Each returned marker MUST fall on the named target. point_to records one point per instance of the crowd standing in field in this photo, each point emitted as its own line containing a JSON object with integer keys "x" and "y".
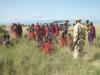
{"x": 47, "y": 33}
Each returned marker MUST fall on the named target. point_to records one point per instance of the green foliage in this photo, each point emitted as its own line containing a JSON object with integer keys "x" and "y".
{"x": 2, "y": 31}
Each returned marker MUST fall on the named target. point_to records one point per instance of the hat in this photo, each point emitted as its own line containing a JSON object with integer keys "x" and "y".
{"x": 78, "y": 19}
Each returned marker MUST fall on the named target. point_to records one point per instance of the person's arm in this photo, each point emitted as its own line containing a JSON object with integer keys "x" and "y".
{"x": 75, "y": 33}
{"x": 94, "y": 32}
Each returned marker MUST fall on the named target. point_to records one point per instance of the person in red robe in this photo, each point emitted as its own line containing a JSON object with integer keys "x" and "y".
{"x": 57, "y": 30}
{"x": 37, "y": 30}
{"x": 33, "y": 31}
{"x": 30, "y": 34}
{"x": 91, "y": 33}
{"x": 46, "y": 31}
{"x": 62, "y": 40}
{"x": 53, "y": 29}
{"x": 47, "y": 46}
{"x": 70, "y": 41}
{"x": 14, "y": 30}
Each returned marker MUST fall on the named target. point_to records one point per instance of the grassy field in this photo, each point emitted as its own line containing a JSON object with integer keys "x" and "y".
{"x": 25, "y": 58}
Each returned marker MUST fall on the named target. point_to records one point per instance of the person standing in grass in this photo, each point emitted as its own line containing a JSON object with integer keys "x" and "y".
{"x": 46, "y": 31}
{"x": 57, "y": 30}
{"x": 65, "y": 28}
{"x": 79, "y": 38}
{"x": 14, "y": 31}
{"x": 62, "y": 40}
{"x": 37, "y": 31}
{"x": 31, "y": 34}
{"x": 50, "y": 31}
{"x": 91, "y": 33}
{"x": 19, "y": 28}
{"x": 47, "y": 46}
{"x": 70, "y": 41}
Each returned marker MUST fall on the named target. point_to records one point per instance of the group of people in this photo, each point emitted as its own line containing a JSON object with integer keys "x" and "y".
{"x": 45, "y": 35}
{"x": 80, "y": 31}
{"x": 91, "y": 32}
{"x": 14, "y": 33}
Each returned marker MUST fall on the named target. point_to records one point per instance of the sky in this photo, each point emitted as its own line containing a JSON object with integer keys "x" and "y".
{"x": 36, "y": 10}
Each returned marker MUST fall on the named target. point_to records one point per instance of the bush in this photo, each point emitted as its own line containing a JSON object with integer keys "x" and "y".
{"x": 2, "y": 31}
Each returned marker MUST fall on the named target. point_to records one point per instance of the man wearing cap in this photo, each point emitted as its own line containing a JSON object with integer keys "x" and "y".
{"x": 79, "y": 37}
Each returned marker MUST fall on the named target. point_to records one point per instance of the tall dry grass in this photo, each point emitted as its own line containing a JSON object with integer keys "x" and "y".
{"x": 25, "y": 58}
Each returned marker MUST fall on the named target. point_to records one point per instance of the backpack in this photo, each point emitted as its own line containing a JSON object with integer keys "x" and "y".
{"x": 81, "y": 33}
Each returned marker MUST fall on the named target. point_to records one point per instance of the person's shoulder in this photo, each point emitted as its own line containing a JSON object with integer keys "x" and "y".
{"x": 75, "y": 25}
{"x": 78, "y": 24}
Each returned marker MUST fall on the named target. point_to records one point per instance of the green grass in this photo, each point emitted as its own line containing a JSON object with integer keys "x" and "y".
{"x": 25, "y": 58}
{"x": 2, "y": 31}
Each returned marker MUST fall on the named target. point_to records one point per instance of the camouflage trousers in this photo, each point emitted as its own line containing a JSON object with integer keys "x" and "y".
{"x": 78, "y": 48}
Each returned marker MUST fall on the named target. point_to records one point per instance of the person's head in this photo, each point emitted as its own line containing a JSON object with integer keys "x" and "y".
{"x": 78, "y": 21}
{"x": 43, "y": 26}
{"x": 91, "y": 24}
{"x": 19, "y": 24}
{"x": 51, "y": 24}
{"x": 83, "y": 23}
{"x": 46, "y": 25}
{"x": 87, "y": 21}
{"x": 37, "y": 23}
{"x": 32, "y": 25}
{"x": 14, "y": 25}
{"x": 56, "y": 24}
{"x": 73, "y": 24}
{"x": 67, "y": 21}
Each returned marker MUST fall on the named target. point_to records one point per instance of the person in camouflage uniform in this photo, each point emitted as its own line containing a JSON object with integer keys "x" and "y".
{"x": 79, "y": 38}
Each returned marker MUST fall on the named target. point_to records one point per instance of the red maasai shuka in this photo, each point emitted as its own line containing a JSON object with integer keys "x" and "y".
{"x": 62, "y": 42}
{"x": 57, "y": 31}
{"x": 46, "y": 47}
